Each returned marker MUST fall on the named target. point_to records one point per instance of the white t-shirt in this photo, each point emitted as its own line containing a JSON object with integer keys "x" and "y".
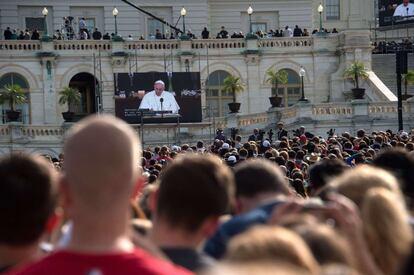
{"x": 401, "y": 10}
{"x": 288, "y": 32}
{"x": 152, "y": 101}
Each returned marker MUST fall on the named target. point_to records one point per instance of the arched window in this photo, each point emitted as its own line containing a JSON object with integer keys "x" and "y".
{"x": 11, "y": 79}
{"x": 290, "y": 91}
{"x": 216, "y": 98}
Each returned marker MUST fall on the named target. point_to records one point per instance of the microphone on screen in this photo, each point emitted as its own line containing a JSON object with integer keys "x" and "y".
{"x": 162, "y": 100}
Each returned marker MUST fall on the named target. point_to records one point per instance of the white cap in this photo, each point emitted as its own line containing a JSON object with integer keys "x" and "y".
{"x": 160, "y": 82}
{"x": 266, "y": 143}
{"x": 225, "y": 146}
{"x": 232, "y": 159}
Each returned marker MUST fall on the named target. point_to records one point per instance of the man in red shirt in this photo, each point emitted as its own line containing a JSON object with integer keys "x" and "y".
{"x": 100, "y": 175}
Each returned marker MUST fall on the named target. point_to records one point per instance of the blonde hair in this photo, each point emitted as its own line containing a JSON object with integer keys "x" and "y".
{"x": 384, "y": 215}
{"x": 256, "y": 268}
{"x": 266, "y": 243}
{"x": 386, "y": 229}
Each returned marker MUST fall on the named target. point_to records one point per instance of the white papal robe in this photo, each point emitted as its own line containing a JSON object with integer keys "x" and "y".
{"x": 152, "y": 101}
{"x": 401, "y": 10}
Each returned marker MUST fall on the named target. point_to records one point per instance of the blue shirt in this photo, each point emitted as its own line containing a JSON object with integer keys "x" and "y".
{"x": 216, "y": 246}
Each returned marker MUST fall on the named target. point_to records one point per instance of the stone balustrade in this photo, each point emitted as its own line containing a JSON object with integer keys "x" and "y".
{"x": 321, "y": 117}
{"x": 256, "y": 119}
{"x": 237, "y": 45}
{"x": 19, "y": 45}
{"x": 82, "y": 45}
{"x": 386, "y": 107}
{"x": 151, "y": 45}
{"x": 41, "y": 131}
{"x": 332, "y": 109}
{"x": 232, "y": 43}
{"x": 286, "y": 42}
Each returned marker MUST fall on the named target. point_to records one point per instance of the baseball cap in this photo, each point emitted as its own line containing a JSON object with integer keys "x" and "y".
{"x": 232, "y": 159}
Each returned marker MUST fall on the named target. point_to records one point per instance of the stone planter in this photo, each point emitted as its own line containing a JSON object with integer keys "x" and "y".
{"x": 275, "y": 101}
{"x": 12, "y": 115}
{"x": 358, "y": 93}
{"x": 234, "y": 107}
{"x": 68, "y": 116}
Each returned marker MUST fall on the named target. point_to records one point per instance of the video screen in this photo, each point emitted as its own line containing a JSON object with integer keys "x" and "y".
{"x": 395, "y": 12}
{"x": 131, "y": 89}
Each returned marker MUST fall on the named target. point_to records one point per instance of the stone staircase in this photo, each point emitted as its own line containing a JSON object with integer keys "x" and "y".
{"x": 384, "y": 67}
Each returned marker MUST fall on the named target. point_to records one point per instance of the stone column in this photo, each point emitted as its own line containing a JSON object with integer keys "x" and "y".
{"x": 50, "y": 95}
{"x": 252, "y": 59}
{"x": 186, "y": 55}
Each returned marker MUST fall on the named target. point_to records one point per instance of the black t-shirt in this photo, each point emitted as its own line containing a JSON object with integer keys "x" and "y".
{"x": 205, "y": 34}
{"x": 7, "y": 34}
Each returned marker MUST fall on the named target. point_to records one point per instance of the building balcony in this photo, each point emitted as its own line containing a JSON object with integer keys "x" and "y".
{"x": 235, "y": 46}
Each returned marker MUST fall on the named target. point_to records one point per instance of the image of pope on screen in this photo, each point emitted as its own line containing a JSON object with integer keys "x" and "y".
{"x": 159, "y": 100}
{"x": 404, "y": 9}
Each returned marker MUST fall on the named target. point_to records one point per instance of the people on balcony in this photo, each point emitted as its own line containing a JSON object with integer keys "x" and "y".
{"x": 96, "y": 35}
{"x": 10, "y": 34}
{"x": 35, "y": 35}
{"x": 223, "y": 33}
{"x": 205, "y": 34}
{"x": 7, "y": 34}
{"x": 297, "y": 31}
{"x": 287, "y": 32}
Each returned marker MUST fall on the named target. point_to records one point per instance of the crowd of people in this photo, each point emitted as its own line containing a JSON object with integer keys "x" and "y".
{"x": 84, "y": 34}
{"x": 279, "y": 202}
{"x": 385, "y": 47}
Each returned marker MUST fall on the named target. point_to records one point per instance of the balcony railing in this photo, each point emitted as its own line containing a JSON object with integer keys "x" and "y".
{"x": 20, "y": 45}
{"x": 151, "y": 45}
{"x": 79, "y": 46}
{"x": 291, "y": 42}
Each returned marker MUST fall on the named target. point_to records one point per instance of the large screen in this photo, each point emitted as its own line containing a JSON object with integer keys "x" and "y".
{"x": 395, "y": 12}
{"x": 184, "y": 86}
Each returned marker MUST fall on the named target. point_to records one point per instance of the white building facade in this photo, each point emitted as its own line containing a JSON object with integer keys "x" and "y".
{"x": 44, "y": 68}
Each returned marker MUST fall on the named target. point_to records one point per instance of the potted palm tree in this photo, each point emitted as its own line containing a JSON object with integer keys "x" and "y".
{"x": 408, "y": 79}
{"x": 276, "y": 78}
{"x": 14, "y": 95}
{"x": 233, "y": 85}
{"x": 356, "y": 71}
{"x": 72, "y": 97}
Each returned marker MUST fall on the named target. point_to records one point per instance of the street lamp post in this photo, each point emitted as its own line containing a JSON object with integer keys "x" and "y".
{"x": 250, "y": 12}
{"x": 116, "y": 36}
{"x": 184, "y": 36}
{"x": 320, "y": 10}
{"x": 302, "y": 74}
{"x": 183, "y": 14}
{"x": 250, "y": 35}
{"x": 45, "y": 36}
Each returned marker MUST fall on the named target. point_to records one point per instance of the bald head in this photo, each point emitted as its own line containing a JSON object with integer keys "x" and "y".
{"x": 101, "y": 159}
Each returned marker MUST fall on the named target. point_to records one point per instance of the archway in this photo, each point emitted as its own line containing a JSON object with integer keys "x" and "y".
{"x": 16, "y": 79}
{"x": 291, "y": 90}
{"x": 216, "y": 98}
{"x": 86, "y": 83}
